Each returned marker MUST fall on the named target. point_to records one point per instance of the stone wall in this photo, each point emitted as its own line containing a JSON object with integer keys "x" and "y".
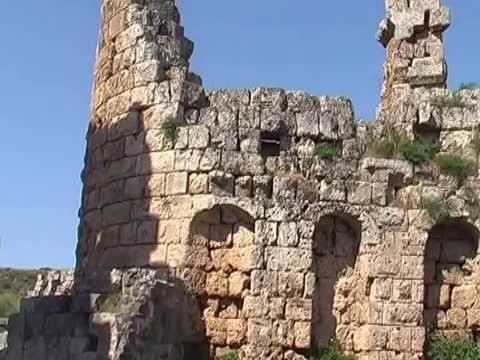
{"x": 268, "y": 246}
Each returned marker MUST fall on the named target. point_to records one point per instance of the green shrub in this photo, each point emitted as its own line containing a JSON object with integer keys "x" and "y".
{"x": 456, "y": 165}
{"x": 9, "y": 303}
{"x": 326, "y": 151}
{"x": 453, "y": 100}
{"x": 418, "y": 151}
{"x": 231, "y": 355}
{"x": 469, "y": 86}
{"x": 437, "y": 208}
{"x": 109, "y": 303}
{"x": 459, "y": 348}
{"x": 170, "y": 129}
{"x": 332, "y": 352}
{"x": 382, "y": 148}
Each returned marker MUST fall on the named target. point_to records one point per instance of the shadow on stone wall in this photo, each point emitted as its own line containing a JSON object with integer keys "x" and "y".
{"x": 448, "y": 248}
{"x": 335, "y": 248}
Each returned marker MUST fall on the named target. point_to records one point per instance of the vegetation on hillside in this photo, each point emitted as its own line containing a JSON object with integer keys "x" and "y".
{"x": 456, "y": 348}
{"x": 14, "y": 285}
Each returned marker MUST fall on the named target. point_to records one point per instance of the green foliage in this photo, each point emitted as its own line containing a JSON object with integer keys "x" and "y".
{"x": 9, "y": 303}
{"x": 456, "y": 165}
{"x": 231, "y": 355}
{"x": 109, "y": 303}
{"x": 326, "y": 151}
{"x": 382, "y": 148}
{"x": 469, "y": 86}
{"x": 453, "y": 100}
{"x": 332, "y": 352}
{"x": 458, "y": 348}
{"x": 437, "y": 208}
{"x": 418, "y": 151}
{"x": 170, "y": 129}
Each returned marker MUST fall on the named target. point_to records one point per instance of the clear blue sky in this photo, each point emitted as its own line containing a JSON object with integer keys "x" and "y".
{"x": 325, "y": 47}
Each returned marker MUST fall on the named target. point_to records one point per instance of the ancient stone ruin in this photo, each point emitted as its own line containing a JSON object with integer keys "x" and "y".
{"x": 261, "y": 221}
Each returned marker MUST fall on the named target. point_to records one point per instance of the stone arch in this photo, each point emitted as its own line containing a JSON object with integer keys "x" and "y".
{"x": 217, "y": 269}
{"x": 336, "y": 244}
{"x": 450, "y": 290}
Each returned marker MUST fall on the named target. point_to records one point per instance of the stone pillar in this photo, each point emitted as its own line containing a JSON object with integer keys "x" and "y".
{"x": 142, "y": 80}
{"x": 412, "y": 33}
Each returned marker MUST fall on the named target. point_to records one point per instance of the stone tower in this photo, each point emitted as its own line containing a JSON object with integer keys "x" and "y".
{"x": 259, "y": 221}
{"x": 142, "y": 80}
{"x": 412, "y": 33}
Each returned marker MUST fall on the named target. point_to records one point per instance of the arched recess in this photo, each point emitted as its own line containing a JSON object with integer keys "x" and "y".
{"x": 450, "y": 294}
{"x": 218, "y": 268}
{"x": 335, "y": 249}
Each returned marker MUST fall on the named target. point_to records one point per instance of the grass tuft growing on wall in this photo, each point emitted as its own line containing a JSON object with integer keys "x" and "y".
{"x": 108, "y": 303}
{"x": 456, "y": 165}
{"x": 231, "y": 355}
{"x": 170, "y": 129}
{"x": 456, "y": 348}
{"x": 332, "y": 352}
{"x": 326, "y": 151}
{"x": 437, "y": 208}
{"x": 417, "y": 151}
{"x": 449, "y": 101}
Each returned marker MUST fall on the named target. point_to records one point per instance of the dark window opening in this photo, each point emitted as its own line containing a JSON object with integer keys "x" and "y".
{"x": 270, "y": 144}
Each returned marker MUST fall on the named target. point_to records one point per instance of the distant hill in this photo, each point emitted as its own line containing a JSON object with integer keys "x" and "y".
{"x": 14, "y": 285}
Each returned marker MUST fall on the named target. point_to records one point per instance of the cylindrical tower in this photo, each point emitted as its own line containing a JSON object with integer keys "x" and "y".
{"x": 142, "y": 89}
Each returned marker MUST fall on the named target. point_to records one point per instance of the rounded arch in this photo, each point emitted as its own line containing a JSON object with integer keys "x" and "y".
{"x": 218, "y": 266}
{"x": 449, "y": 246}
{"x": 336, "y": 244}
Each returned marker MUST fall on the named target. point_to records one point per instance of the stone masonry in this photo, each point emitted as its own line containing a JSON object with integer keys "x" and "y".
{"x": 212, "y": 218}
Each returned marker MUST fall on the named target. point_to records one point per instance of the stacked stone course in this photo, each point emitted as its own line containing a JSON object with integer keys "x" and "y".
{"x": 258, "y": 244}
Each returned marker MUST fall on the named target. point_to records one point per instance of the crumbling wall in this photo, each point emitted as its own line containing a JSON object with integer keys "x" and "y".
{"x": 262, "y": 207}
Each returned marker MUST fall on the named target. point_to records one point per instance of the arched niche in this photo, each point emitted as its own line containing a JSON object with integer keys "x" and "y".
{"x": 218, "y": 268}
{"x": 336, "y": 244}
{"x": 449, "y": 294}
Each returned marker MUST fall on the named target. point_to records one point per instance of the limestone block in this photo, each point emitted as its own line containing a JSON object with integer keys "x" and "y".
{"x": 382, "y": 289}
{"x": 168, "y": 232}
{"x": 264, "y": 283}
{"x": 116, "y": 213}
{"x": 400, "y": 339}
{"x": 128, "y": 37}
{"x": 237, "y": 284}
{"x": 198, "y": 184}
{"x": 216, "y": 331}
{"x": 135, "y": 188}
{"x": 464, "y": 296}
{"x": 266, "y": 232}
{"x": 236, "y": 331}
{"x": 269, "y": 97}
{"x": 298, "y": 309}
{"x": 291, "y": 285}
{"x": 177, "y": 183}
{"x": 262, "y": 186}
{"x": 360, "y": 193}
{"x": 456, "y": 318}
{"x": 332, "y": 191}
{"x": 370, "y": 337}
{"x": 243, "y": 186}
{"x": 221, "y": 184}
{"x": 473, "y": 318}
{"x": 198, "y": 136}
{"x": 418, "y": 339}
{"x": 308, "y": 124}
{"x": 302, "y": 334}
{"x": 259, "y": 332}
{"x": 155, "y": 185}
{"x": 287, "y": 234}
{"x": 402, "y": 314}
{"x": 282, "y": 333}
{"x": 157, "y": 162}
{"x": 288, "y": 259}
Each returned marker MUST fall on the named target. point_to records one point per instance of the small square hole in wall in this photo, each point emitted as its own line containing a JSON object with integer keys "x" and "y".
{"x": 269, "y": 144}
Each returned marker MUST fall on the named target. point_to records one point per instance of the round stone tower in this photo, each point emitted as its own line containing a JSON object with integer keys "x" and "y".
{"x": 141, "y": 91}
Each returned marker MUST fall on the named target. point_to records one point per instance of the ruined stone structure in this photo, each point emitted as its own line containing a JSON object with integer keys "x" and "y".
{"x": 252, "y": 241}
